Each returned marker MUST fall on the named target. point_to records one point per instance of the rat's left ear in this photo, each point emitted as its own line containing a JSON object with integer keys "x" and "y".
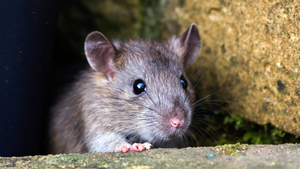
{"x": 100, "y": 54}
{"x": 188, "y": 45}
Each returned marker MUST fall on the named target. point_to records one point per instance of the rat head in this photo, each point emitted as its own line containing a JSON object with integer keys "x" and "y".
{"x": 150, "y": 94}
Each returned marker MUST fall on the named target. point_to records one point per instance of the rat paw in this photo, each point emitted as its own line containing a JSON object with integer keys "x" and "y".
{"x": 124, "y": 148}
{"x": 134, "y": 147}
{"x": 140, "y": 146}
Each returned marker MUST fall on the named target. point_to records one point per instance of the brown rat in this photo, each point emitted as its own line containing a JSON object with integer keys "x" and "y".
{"x": 135, "y": 95}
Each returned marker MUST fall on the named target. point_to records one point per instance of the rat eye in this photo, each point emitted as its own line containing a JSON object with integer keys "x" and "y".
{"x": 183, "y": 82}
{"x": 139, "y": 86}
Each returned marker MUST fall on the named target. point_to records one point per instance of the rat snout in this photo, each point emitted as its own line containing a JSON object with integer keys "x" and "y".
{"x": 176, "y": 122}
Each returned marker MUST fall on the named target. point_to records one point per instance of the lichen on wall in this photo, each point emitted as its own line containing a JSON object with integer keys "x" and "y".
{"x": 255, "y": 53}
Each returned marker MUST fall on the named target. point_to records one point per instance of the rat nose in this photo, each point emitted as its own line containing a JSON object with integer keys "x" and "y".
{"x": 176, "y": 122}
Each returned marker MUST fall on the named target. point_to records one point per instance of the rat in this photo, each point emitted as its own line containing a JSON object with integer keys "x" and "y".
{"x": 134, "y": 96}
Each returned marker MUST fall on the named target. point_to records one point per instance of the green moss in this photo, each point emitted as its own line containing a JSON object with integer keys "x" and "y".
{"x": 222, "y": 128}
{"x": 231, "y": 149}
{"x": 293, "y": 75}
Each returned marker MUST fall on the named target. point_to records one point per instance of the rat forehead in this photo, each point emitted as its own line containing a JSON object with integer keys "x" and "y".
{"x": 147, "y": 54}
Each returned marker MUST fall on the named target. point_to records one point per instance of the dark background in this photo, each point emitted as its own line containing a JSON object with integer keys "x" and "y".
{"x": 27, "y": 34}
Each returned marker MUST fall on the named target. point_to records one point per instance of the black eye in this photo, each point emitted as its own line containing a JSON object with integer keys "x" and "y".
{"x": 139, "y": 86}
{"x": 183, "y": 82}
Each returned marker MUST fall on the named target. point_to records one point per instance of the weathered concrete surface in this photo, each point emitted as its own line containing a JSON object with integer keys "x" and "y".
{"x": 257, "y": 156}
{"x": 255, "y": 50}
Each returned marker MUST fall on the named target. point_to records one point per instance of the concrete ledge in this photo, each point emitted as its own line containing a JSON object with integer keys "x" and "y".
{"x": 256, "y": 156}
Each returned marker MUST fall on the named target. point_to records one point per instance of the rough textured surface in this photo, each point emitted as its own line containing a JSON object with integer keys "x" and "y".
{"x": 255, "y": 54}
{"x": 257, "y": 156}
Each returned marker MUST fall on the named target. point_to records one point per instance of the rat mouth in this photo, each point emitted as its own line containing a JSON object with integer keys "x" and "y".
{"x": 171, "y": 133}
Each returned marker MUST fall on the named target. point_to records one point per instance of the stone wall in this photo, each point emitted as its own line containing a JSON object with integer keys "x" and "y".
{"x": 255, "y": 53}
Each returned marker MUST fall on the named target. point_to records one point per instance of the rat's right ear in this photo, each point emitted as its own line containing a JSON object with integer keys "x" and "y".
{"x": 100, "y": 53}
{"x": 188, "y": 45}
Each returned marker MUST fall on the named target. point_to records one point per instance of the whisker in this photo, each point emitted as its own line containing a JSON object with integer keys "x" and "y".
{"x": 209, "y": 134}
{"x": 224, "y": 102}
{"x": 183, "y": 137}
{"x": 198, "y": 80}
{"x": 192, "y": 135}
{"x": 131, "y": 101}
{"x": 210, "y": 95}
{"x": 220, "y": 106}
{"x": 195, "y": 129}
{"x": 150, "y": 98}
{"x": 198, "y": 134}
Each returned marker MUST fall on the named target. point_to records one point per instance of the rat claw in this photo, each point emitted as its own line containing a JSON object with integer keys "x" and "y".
{"x": 141, "y": 147}
{"x": 147, "y": 145}
{"x": 134, "y": 147}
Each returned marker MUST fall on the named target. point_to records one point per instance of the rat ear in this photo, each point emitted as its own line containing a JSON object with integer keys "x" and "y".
{"x": 100, "y": 53}
{"x": 189, "y": 45}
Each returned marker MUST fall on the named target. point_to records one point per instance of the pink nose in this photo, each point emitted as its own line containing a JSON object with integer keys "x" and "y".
{"x": 176, "y": 122}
